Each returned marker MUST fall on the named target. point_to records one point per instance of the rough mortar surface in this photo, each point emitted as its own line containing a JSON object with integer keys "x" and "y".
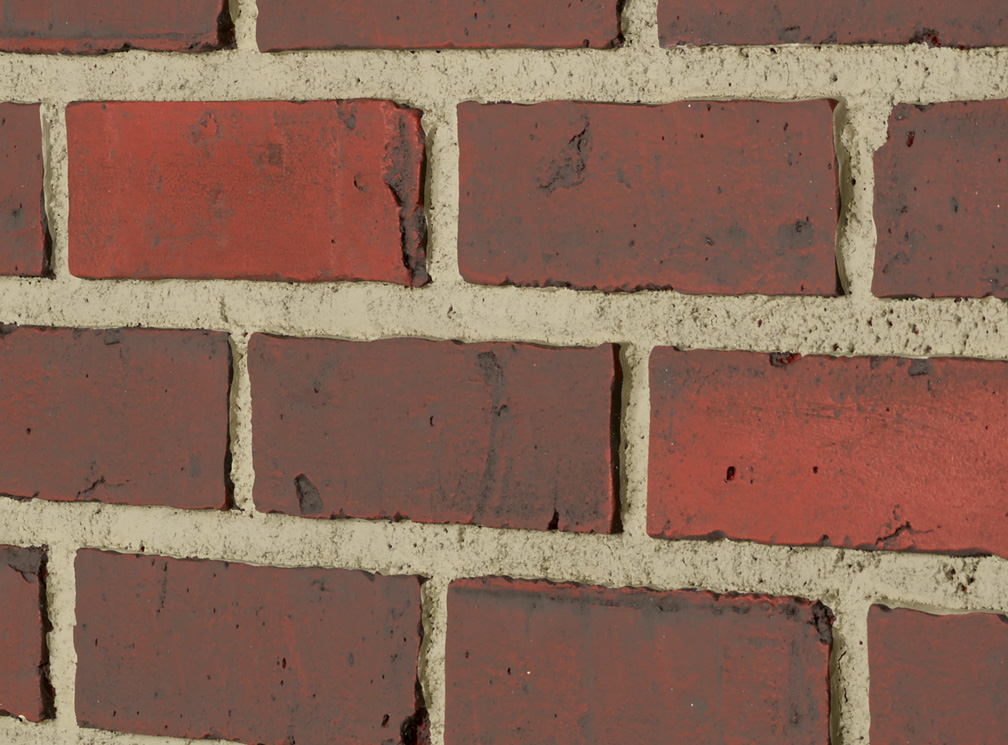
{"x": 866, "y": 80}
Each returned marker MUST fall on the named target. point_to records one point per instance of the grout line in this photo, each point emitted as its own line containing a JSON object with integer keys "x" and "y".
{"x": 639, "y": 22}
{"x": 431, "y": 665}
{"x": 61, "y": 589}
{"x": 240, "y": 426}
{"x": 635, "y": 423}
{"x": 849, "y": 672}
{"x": 244, "y": 14}
{"x": 442, "y": 189}
{"x": 55, "y": 188}
{"x": 102, "y": 737}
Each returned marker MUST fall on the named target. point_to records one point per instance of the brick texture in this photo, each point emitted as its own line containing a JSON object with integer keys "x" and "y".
{"x": 256, "y": 654}
{"x": 24, "y": 688}
{"x": 866, "y": 452}
{"x": 704, "y": 198}
{"x": 316, "y": 191}
{"x": 123, "y": 416}
{"x": 504, "y": 435}
{"x": 937, "y": 678}
{"x": 537, "y": 663}
{"x": 97, "y": 26}
{"x": 968, "y": 23}
{"x": 23, "y": 232}
{"x": 941, "y": 201}
{"x": 471, "y": 24}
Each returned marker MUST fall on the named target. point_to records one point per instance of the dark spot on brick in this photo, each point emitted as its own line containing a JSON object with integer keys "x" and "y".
{"x": 568, "y": 168}
{"x": 919, "y": 367}
{"x": 309, "y": 501}
{"x": 783, "y": 359}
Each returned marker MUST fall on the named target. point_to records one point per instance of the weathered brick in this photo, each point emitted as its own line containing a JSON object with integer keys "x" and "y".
{"x": 24, "y": 686}
{"x": 470, "y": 24}
{"x": 937, "y": 678}
{"x": 505, "y": 435}
{"x": 23, "y": 232}
{"x": 865, "y": 452}
{"x": 941, "y": 201}
{"x": 127, "y": 416}
{"x": 968, "y": 23}
{"x": 732, "y": 198}
{"x": 315, "y": 191}
{"x": 109, "y": 25}
{"x": 256, "y": 654}
{"x": 537, "y": 663}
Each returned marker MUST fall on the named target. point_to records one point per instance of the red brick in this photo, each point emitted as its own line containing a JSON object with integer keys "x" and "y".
{"x": 256, "y": 654}
{"x": 24, "y": 687}
{"x": 937, "y": 678}
{"x": 941, "y": 202}
{"x": 865, "y": 452}
{"x": 468, "y": 24}
{"x": 125, "y": 416}
{"x": 23, "y": 231}
{"x": 110, "y": 25}
{"x": 505, "y": 435}
{"x": 703, "y": 198}
{"x": 536, "y": 664}
{"x": 316, "y": 191}
{"x": 968, "y": 23}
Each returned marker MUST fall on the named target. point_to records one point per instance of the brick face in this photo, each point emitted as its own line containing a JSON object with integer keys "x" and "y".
{"x": 937, "y": 678}
{"x": 471, "y": 24}
{"x": 94, "y": 26}
{"x": 315, "y": 191}
{"x": 969, "y": 23}
{"x": 537, "y": 663}
{"x": 504, "y": 435}
{"x": 23, "y": 232}
{"x": 941, "y": 201}
{"x": 24, "y": 688}
{"x": 256, "y": 654}
{"x": 136, "y": 416}
{"x": 849, "y": 451}
{"x": 727, "y": 198}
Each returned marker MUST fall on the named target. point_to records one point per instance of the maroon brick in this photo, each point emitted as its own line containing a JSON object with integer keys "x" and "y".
{"x": 23, "y": 232}
{"x": 941, "y": 202}
{"x": 536, "y": 663}
{"x": 109, "y": 25}
{"x": 968, "y": 23}
{"x": 865, "y": 452}
{"x": 277, "y": 190}
{"x": 24, "y": 686}
{"x": 937, "y": 678}
{"x": 704, "y": 198}
{"x": 505, "y": 435}
{"x": 126, "y": 416}
{"x": 468, "y": 24}
{"x": 256, "y": 654}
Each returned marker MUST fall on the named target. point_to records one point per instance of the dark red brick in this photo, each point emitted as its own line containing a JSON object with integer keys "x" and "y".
{"x": 97, "y": 26}
{"x": 24, "y": 687}
{"x": 941, "y": 202}
{"x": 937, "y": 678}
{"x": 865, "y": 452}
{"x": 256, "y": 654}
{"x": 505, "y": 435}
{"x": 704, "y": 197}
{"x": 316, "y": 191}
{"x": 968, "y": 23}
{"x": 125, "y": 416}
{"x": 536, "y": 663}
{"x": 23, "y": 232}
{"x": 469, "y": 24}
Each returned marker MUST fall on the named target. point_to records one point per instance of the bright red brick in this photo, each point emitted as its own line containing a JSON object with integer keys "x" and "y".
{"x": 937, "y": 679}
{"x": 316, "y": 191}
{"x": 125, "y": 416}
{"x": 967, "y": 23}
{"x": 23, "y": 231}
{"x": 256, "y": 654}
{"x": 704, "y": 197}
{"x": 865, "y": 452}
{"x": 505, "y": 435}
{"x": 941, "y": 201}
{"x": 110, "y": 25}
{"x": 24, "y": 687}
{"x": 534, "y": 663}
{"x": 471, "y": 24}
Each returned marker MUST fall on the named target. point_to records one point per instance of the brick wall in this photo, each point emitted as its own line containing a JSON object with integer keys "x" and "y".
{"x": 503, "y": 373}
